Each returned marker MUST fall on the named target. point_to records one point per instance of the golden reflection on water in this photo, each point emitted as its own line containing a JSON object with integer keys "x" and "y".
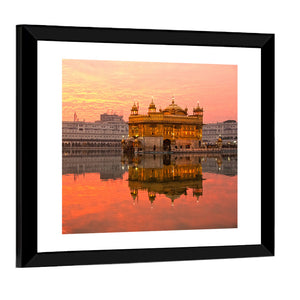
{"x": 115, "y": 193}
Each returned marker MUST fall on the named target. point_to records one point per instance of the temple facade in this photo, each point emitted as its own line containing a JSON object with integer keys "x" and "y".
{"x": 167, "y": 130}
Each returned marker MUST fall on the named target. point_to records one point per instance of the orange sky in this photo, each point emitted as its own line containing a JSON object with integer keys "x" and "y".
{"x": 91, "y": 87}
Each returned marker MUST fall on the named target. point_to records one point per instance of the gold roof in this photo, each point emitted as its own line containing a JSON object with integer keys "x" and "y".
{"x": 134, "y": 107}
{"x": 198, "y": 108}
{"x": 174, "y": 109}
{"x": 152, "y": 105}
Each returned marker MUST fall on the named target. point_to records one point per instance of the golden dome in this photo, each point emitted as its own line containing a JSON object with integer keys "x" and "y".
{"x": 174, "y": 109}
{"x": 198, "y": 109}
{"x": 134, "y": 107}
{"x": 152, "y": 107}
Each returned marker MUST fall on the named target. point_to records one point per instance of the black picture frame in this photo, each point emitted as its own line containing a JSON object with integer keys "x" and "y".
{"x": 26, "y": 140}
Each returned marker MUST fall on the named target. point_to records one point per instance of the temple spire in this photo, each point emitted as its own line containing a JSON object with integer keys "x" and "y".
{"x": 152, "y": 107}
{"x": 173, "y": 99}
{"x": 134, "y": 109}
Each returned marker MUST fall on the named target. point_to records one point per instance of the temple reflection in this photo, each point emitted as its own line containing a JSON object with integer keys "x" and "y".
{"x": 164, "y": 174}
{"x": 171, "y": 175}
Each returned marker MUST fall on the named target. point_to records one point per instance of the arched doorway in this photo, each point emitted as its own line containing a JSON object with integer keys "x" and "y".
{"x": 167, "y": 145}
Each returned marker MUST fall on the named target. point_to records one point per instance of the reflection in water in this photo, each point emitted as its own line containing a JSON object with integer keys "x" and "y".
{"x": 165, "y": 175}
{"x": 108, "y": 192}
{"x": 107, "y": 165}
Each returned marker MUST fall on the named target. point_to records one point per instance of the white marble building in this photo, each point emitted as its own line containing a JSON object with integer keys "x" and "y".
{"x": 227, "y": 130}
{"x": 106, "y": 132}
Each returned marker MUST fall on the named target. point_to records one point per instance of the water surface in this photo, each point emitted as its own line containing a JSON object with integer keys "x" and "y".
{"x": 110, "y": 192}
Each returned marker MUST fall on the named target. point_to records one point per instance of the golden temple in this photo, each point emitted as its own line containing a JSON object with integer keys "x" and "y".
{"x": 170, "y": 129}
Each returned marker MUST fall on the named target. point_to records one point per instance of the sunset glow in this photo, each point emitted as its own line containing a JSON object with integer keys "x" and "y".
{"x": 91, "y": 88}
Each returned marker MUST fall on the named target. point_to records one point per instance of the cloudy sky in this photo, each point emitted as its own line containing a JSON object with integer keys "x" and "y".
{"x": 91, "y": 88}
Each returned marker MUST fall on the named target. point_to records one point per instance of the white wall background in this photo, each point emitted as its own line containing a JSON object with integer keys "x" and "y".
{"x": 254, "y": 278}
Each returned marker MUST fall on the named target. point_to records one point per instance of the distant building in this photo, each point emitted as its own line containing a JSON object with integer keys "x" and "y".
{"x": 227, "y": 130}
{"x": 106, "y": 132}
{"x": 112, "y": 118}
{"x": 170, "y": 129}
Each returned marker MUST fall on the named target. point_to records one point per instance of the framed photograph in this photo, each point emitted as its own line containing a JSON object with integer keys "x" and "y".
{"x": 140, "y": 145}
